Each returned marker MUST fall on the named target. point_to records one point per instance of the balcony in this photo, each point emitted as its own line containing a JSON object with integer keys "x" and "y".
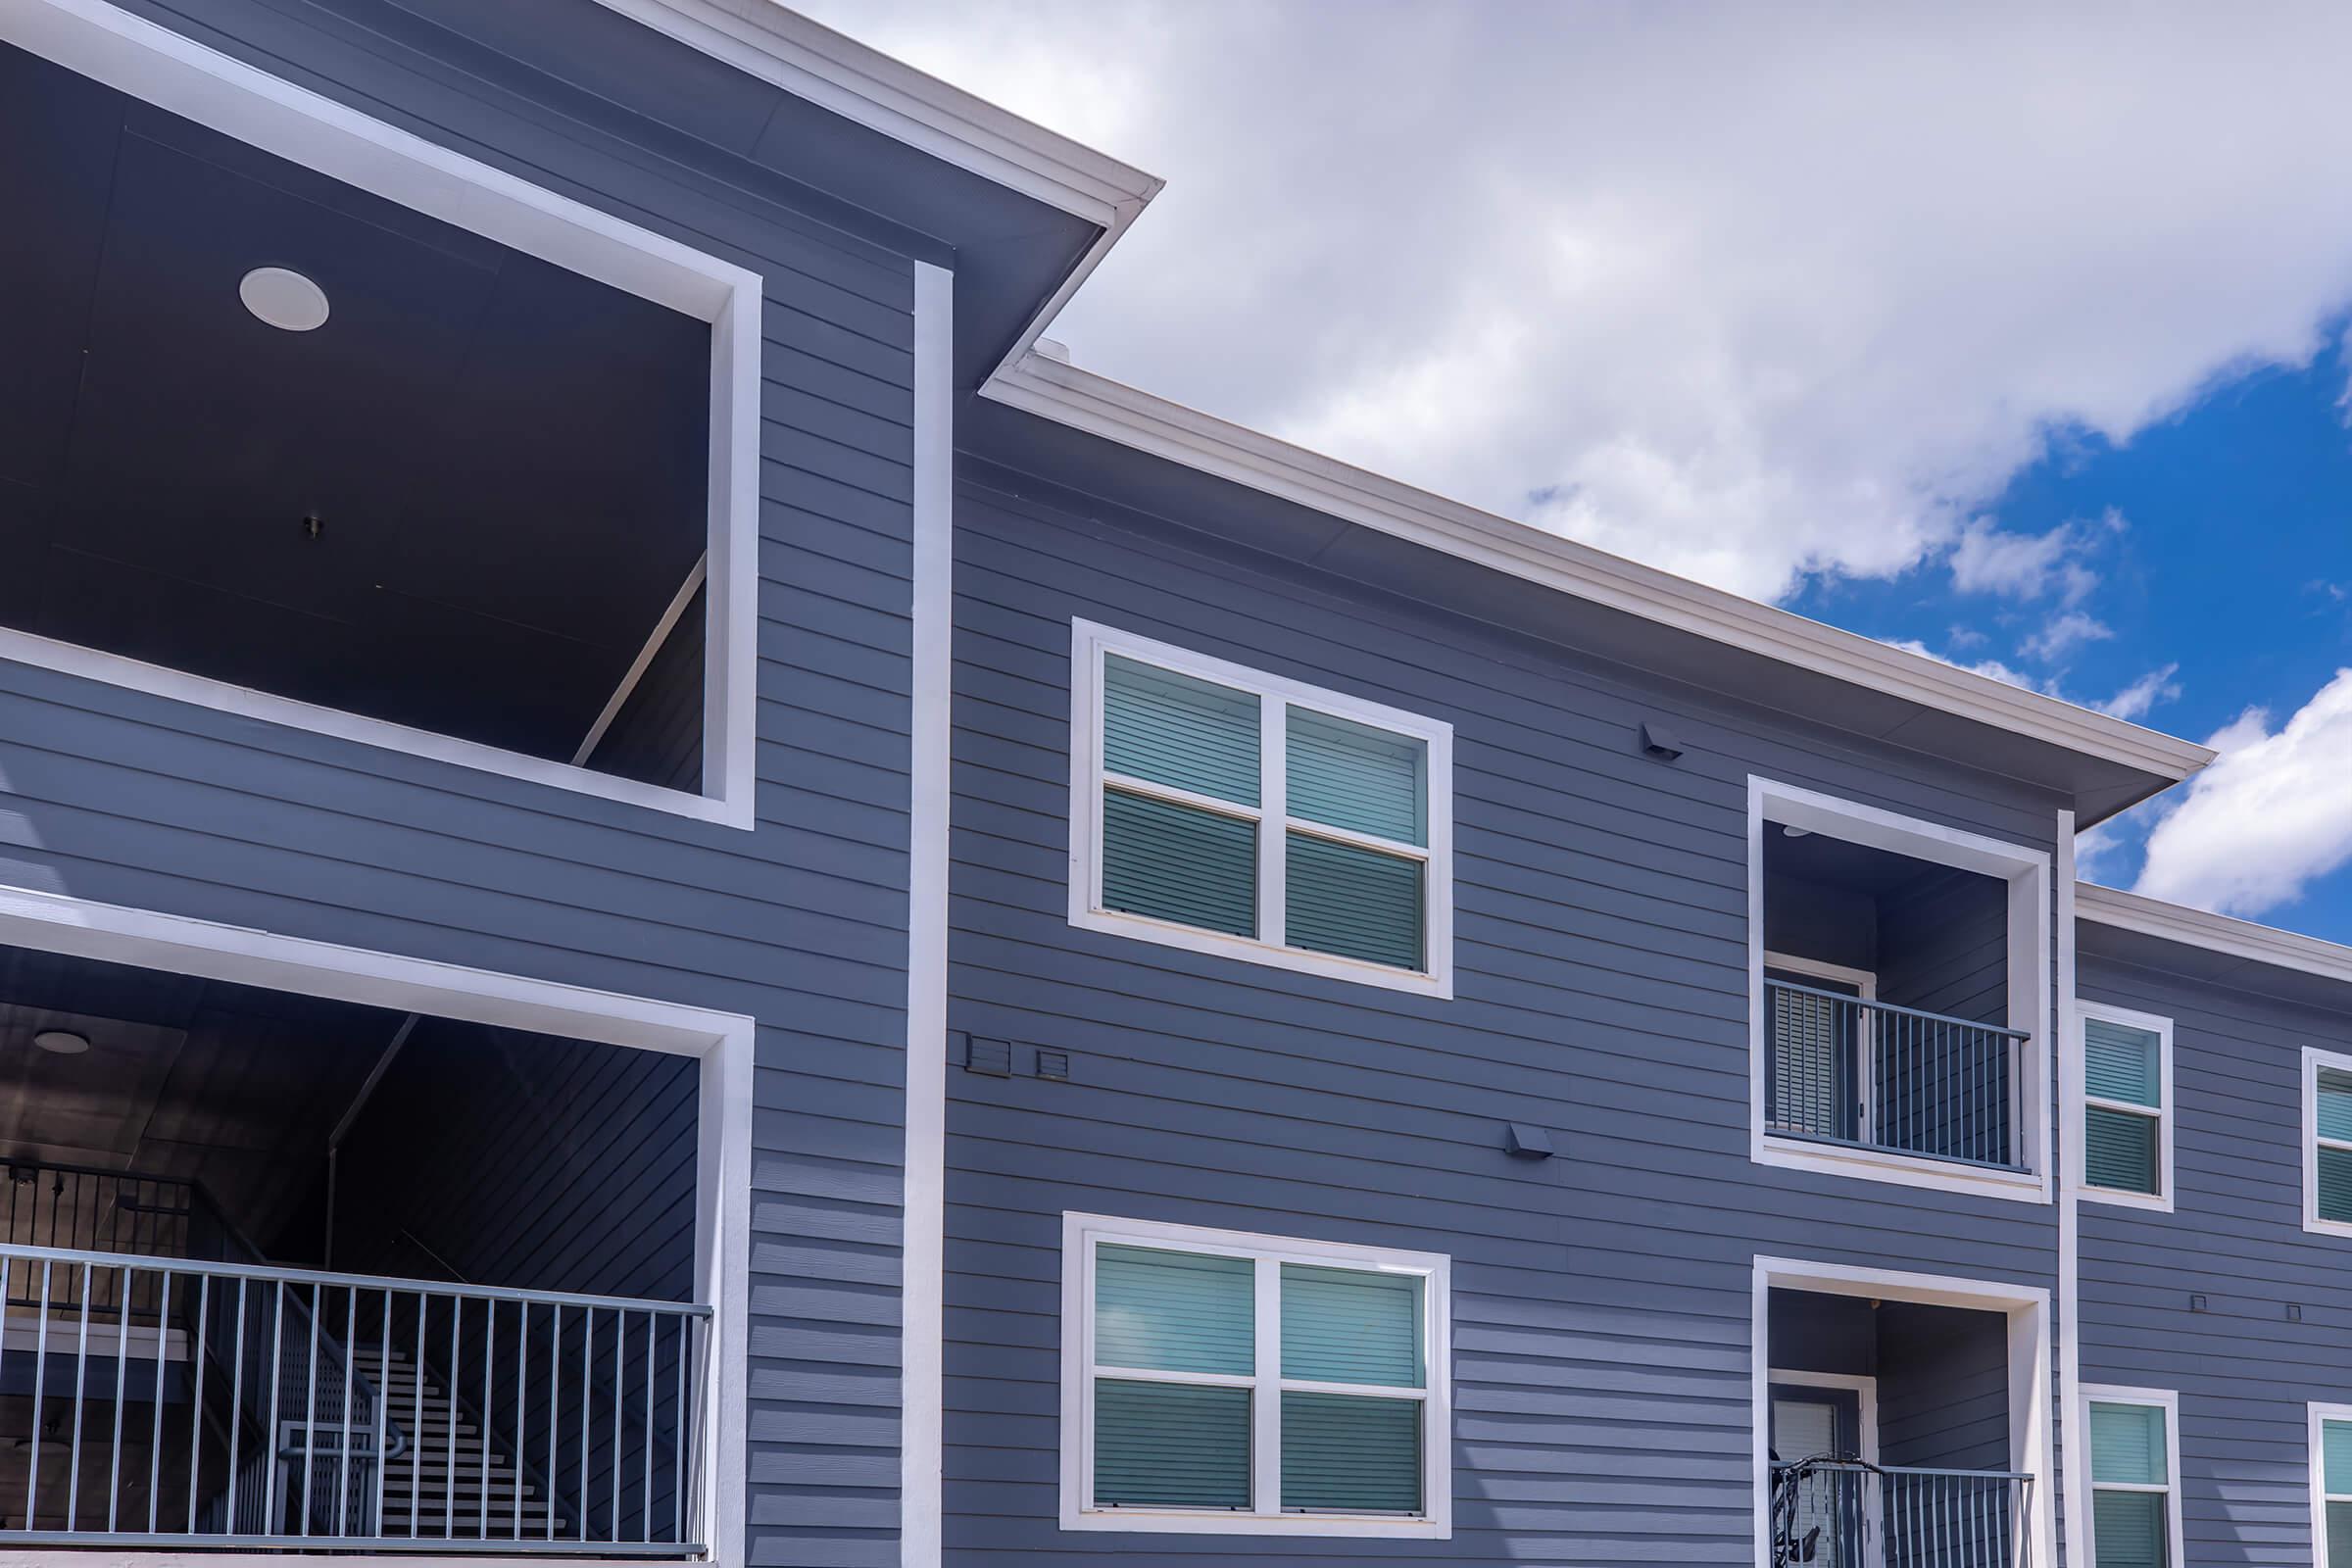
{"x": 180, "y": 1392}
{"x": 1887, "y": 1426}
{"x": 1864, "y": 1074}
{"x": 1844, "y": 1514}
{"x": 1901, "y": 978}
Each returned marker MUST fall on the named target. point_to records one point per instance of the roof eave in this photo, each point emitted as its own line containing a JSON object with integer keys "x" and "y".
{"x": 2213, "y": 932}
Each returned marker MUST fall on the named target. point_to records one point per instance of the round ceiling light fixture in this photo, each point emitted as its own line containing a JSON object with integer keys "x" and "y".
{"x": 286, "y": 300}
{"x": 62, "y": 1042}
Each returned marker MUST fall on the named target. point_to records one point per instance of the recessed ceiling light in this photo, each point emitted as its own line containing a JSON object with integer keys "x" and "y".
{"x": 285, "y": 300}
{"x": 62, "y": 1042}
{"x": 1796, "y": 832}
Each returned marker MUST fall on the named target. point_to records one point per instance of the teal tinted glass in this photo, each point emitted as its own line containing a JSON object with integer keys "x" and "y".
{"x": 2339, "y": 1535}
{"x": 2126, "y": 1445}
{"x": 1160, "y": 1311}
{"x": 2128, "y": 1529}
{"x": 1355, "y": 903}
{"x": 2119, "y": 1149}
{"x": 1350, "y": 1454}
{"x": 1173, "y": 729}
{"x": 1343, "y": 1325}
{"x": 2336, "y": 1184}
{"x": 1170, "y": 1446}
{"x": 1179, "y": 863}
{"x": 2122, "y": 1063}
{"x": 2335, "y": 1104}
{"x": 1350, "y": 775}
{"x": 2335, "y": 1445}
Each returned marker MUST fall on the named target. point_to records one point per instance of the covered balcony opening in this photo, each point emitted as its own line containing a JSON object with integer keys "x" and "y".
{"x": 1891, "y": 1438}
{"x": 1900, "y": 984}
{"x": 1887, "y": 991}
{"x": 270, "y": 439}
{"x": 295, "y": 1274}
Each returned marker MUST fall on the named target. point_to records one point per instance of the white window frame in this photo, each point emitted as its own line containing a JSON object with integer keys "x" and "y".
{"x": 1090, "y": 643}
{"x": 1083, "y": 1235}
{"x": 2026, "y": 872}
{"x": 97, "y": 39}
{"x": 2313, "y": 1058}
{"x": 1866, "y": 984}
{"x": 2316, "y": 1460}
{"x": 2169, "y": 1401}
{"x": 2161, "y": 1200}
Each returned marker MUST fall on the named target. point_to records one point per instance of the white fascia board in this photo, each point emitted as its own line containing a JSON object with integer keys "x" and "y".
{"x": 815, "y": 63}
{"x": 1102, "y": 407}
{"x": 2213, "y": 932}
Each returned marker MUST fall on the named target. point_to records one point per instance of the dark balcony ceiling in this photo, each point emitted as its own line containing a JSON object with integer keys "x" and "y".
{"x": 508, "y": 459}
{"x": 1818, "y": 858}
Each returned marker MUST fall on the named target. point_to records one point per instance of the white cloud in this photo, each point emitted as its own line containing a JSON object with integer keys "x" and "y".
{"x": 2017, "y": 565}
{"x": 1745, "y": 291}
{"x": 2268, "y": 816}
{"x": 2064, "y": 634}
{"x": 2135, "y": 700}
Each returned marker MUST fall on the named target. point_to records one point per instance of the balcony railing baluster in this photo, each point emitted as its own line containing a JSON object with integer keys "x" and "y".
{"x": 293, "y": 1434}
{"x": 1937, "y": 1087}
{"x": 1846, "y": 1513}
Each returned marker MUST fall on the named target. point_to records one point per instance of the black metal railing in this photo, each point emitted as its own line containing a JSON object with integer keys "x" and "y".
{"x": 1846, "y": 1513}
{"x": 1874, "y": 1075}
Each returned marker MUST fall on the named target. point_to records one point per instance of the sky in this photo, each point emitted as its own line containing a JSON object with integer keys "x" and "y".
{"x": 2013, "y": 334}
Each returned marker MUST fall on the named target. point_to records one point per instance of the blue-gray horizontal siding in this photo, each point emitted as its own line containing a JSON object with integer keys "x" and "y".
{"x": 133, "y": 800}
{"x": 2245, "y": 1373}
{"x": 1601, "y": 1298}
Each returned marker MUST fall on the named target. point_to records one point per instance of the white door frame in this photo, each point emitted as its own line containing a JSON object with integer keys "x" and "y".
{"x": 721, "y": 1042}
{"x": 2031, "y": 1392}
{"x": 1867, "y": 1387}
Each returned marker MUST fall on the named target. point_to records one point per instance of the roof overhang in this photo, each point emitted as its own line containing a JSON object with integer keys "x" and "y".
{"x": 1884, "y": 691}
{"x": 2221, "y": 948}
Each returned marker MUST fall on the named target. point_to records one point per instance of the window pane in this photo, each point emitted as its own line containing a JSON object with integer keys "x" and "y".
{"x": 2336, "y": 1184}
{"x": 2129, "y": 1530}
{"x": 2126, "y": 1445}
{"x": 1175, "y": 1311}
{"x": 1342, "y": 1325}
{"x": 2119, "y": 1149}
{"x": 1357, "y": 904}
{"x": 1173, "y": 729}
{"x": 2335, "y": 1104}
{"x": 2121, "y": 1062}
{"x": 1171, "y": 1444}
{"x": 2339, "y": 1535}
{"x": 2335, "y": 1441}
{"x": 1179, "y": 863}
{"x": 1359, "y": 1455}
{"x": 1354, "y": 776}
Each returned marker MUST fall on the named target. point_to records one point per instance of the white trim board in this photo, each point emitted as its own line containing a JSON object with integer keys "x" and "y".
{"x": 2027, "y": 872}
{"x": 2313, "y": 1060}
{"x": 721, "y": 1042}
{"x": 1082, "y": 1234}
{"x": 2032, "y": 1437}
{"x": 2169, "y": 1401}
{"x": 2213, "y": 932}
{"x": 922, "y": 1294}
{"x": 101, "y": 41}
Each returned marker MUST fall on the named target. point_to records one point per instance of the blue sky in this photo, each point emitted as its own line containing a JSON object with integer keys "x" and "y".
{"x": 2013, "y": 333}
{"x": 2214, "y": 550}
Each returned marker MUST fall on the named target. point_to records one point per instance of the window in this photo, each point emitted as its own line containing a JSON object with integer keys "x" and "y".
{"x": 1220, "y": 1382}
{"x": 2134, "y": 1522}
{"x": 2327, "y": 1141}
{"x": 2332, "y": 1482}
{"x": 1232, "y": 813}
{"x": 2127, "y": 1106}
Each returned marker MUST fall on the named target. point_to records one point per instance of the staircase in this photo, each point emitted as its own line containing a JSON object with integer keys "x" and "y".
{"x": 448, "y": 1496}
